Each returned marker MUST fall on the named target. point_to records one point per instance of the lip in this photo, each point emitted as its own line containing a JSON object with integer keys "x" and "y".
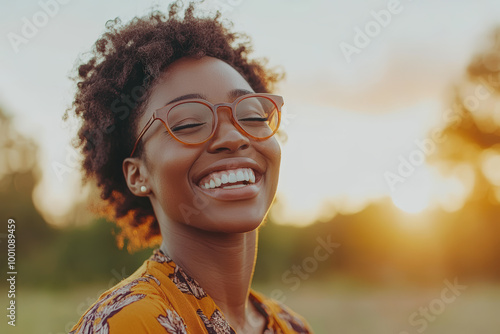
{"x": 247, "y": 192}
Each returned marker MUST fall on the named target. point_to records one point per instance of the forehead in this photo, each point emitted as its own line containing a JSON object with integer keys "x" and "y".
{"x": 207, "y": 76}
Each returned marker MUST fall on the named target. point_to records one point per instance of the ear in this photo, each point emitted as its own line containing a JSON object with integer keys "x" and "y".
{"x": 136, "y": 176}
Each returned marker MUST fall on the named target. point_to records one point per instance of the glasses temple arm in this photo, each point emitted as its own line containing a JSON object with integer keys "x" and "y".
{"x": 146, "y": 127}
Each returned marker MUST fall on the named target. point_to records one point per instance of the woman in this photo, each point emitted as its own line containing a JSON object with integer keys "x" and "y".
{"x": 178, "y": 130}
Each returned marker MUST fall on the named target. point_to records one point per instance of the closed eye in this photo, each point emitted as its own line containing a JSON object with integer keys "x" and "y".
{"x": 187, "y": 126}
{"x": 255, "y": 119}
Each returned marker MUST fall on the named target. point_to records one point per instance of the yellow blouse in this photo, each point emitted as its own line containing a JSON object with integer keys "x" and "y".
{"x": 161, "y": 298}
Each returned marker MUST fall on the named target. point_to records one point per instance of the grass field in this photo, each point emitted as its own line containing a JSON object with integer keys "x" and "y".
{"x": 330, "y": 308}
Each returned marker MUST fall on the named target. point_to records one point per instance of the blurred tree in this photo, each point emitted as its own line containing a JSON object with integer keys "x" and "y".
{"x": 472, "y": 128}
{"x": 19, "y": 174}
{"x": 46, "y": 256}
{"x": 472, "y": 145}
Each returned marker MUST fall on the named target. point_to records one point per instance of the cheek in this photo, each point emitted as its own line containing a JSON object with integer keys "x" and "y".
{"x": 272, "y": 151}
{"x": 171, "y": 181}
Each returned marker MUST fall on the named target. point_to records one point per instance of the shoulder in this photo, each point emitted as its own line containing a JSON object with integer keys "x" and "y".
{"x": 136, "y": 305}
{"x": 288, "y": 320}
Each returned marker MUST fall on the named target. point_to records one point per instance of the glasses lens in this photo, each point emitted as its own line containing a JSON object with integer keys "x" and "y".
{"x": 191, "y": 122}
{"x": 258, "y": 116}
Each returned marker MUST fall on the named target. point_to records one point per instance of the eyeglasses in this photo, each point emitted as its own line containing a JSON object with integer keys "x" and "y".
{"x": 193, "y": 121}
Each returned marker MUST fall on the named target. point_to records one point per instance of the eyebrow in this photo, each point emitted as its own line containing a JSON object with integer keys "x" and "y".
{"x": 235, "y": 93}
{"x": 187, "y": 97}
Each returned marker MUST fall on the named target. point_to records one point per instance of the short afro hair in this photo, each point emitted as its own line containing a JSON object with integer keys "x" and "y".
{"x": 113, "y": 87}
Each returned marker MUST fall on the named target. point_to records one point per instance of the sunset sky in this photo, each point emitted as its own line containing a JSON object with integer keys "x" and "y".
{"x": 350, "y": 118}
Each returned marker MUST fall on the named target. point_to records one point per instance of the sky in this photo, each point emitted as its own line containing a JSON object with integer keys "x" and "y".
{"x": 365, "y": 83}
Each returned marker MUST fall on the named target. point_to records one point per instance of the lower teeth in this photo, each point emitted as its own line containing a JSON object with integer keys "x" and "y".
{"x": 234, "y": 186}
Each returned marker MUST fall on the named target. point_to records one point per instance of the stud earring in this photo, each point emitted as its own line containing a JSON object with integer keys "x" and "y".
{"x": 144, "y": 189}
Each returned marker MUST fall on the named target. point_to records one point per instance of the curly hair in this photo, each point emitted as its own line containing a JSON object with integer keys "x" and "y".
{"x": 113, "y": 87}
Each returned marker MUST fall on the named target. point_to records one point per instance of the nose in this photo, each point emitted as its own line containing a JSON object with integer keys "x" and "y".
{"x": 227, "y": 137}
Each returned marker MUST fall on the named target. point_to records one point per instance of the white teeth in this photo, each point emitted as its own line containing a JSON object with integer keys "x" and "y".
{"x": 219, "y": 179}
{"x": 232, "y": 178}
{"x": 233, "y": 186}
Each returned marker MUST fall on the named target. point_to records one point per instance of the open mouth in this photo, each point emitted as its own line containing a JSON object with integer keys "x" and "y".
{"x": 230, "y": 179}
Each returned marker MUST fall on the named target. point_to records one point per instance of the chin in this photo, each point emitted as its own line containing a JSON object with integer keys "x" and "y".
{"x": 239, "y": 222}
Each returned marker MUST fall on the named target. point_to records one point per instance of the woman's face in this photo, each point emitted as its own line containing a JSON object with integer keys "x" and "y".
{"x": 175, "y": 172}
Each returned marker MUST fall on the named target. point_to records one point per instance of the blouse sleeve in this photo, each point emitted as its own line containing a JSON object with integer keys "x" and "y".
{"x": 127, "y": 311}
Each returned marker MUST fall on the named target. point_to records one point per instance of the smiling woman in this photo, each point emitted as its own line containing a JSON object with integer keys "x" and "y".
{"x": 191, "y": 165}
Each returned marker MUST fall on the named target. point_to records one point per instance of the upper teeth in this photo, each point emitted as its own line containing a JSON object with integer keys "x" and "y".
{"x": 216, "y": 179}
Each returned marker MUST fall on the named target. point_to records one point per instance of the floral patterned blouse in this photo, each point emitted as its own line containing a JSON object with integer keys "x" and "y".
{"x": 161, "y": 298}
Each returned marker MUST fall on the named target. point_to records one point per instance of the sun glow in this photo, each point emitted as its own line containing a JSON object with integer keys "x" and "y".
{"x": 430, "y": 188}
{"x": 414, "y": 195}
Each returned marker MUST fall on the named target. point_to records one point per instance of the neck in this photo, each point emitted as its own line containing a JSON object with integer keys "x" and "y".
{"x": 222, "y": 263}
